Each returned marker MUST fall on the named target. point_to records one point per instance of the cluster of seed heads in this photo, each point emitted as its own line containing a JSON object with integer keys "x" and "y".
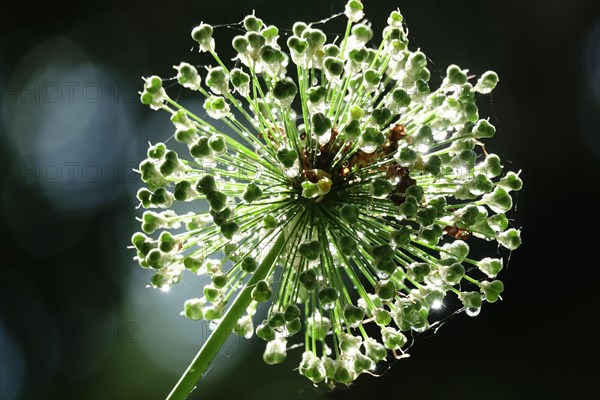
{"x": 378, "y": 183}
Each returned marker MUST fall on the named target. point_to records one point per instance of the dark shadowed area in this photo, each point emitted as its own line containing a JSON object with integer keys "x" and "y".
{"x": 76, "y": 318}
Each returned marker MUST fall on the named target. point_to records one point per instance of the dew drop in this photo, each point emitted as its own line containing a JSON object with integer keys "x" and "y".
{"x": 473, "y": 312}
{"x": 368, "y": 149}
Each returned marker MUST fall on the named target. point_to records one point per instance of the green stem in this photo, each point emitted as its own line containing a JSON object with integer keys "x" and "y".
{"x": 211, "y": 347}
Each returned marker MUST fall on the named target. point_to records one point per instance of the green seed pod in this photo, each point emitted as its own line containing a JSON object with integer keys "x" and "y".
{"x": 217, "y": 80}
{"x": 308, "y": 279}
{"x": 392, "y": 339}
{"x": 184, "y": 191}
{"x": 401, "y": 236}
{"x": 285, "y": 90}
{"x": 333, "y": 66}
{"x": 350, "y": 213}
{"x": 211, "y": 293}
{"x": 252, "y": 193}
{"x": 265, "y": 332}
{"x": 471, "y": 299}
{"x": 373, "y": 137}
{"x": 511, "y": 239}
{"x": 487, "y": 82}
{"x": 206, "y": 184}
{"x": 352, "y": 130}
{"x": 331, "y": 50}
{"x": 240, "y": 44}
{"x": 386, "y": 290}
{"x": 453, "y": 274}
{"x": 320, "y": 123}
{"x": 499, "y": 200}
{"x": 229, "y": 229}
{"x": 382, "y": 317}
{"x": 270, "y": 32}
{"x": 483, "y": 130}
{"x": 353, "y": 314}
{"x": 298, "y": 28}
{"x": 219, "y": 280}
{"x": 275, "y": 352}
{"x": 157, "y": 151}
{"x": 252, "y": 24}
{"x": 310, "y": 250}
{"x": 249, "y": 264}
{"x": 328, "y": 295}
{"x": 407, "y": 156}
{"x": 270, "y": 222}
{"x": 217, "y": 143}
{"x": 409, "y": 207}
{"x": 261, "y": 292}
{"x": 433, "y": 165}
{"x": 347, "y": 245}
{"x": 255, "y": 40}
{"x": 291, "y": 312}
{"x": 287, "y": 157}
{"x": 455, "y": 75}
{"x": 418, "y": 271}
{"x": 217, "y": 200}
{"x": 511, "y": 181}
{"x": 221, "y": 217}
{"x": 201, "y": 149}
{"x": 293, "y": 326}
{"x": 492, "y": 290}
{"x": 203, "y": 35}
{"x": 192, "y": 309}
{"x": 297, "y": 45}
{"x": 362, "y": 32}
{"x": 276, "y": 320}
{"x": 490, "y": 266}
{"x": 381, "y": 116}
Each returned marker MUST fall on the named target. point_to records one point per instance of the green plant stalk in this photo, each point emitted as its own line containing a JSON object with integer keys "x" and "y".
{"x": 211, "y": 347}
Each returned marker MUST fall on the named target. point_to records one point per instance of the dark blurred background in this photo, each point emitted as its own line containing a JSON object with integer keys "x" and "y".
{"x": 76, "y": 318}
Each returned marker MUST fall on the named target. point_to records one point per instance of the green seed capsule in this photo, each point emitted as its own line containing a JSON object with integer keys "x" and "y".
{"x": 249, "y": 264}
{"x": 261, "y": 292}
{"x": 321, "y": 124}
{"x": 206, "y": 184}
{"x": 240, "y": 44}
{"x": 217, "y": 143}
{"x": 328, "y": 295}
{"x": 492, "y": 290}
{"x": 229, "y": 229}
{"x": 352, "y": 130}
{"x": 201, "y": 149}
{"x": 310, "y": 250}
{"x": 293, "y": 326}
{"x": 217, "y": 200}
{"x": 386, "y": 290}
{"x": 350, "y": 213}
{"x": 382, "y": 317}
{"x": 308, "y": 279}
{"x": 252, "y": 193}
{"x": 252, "y": 24}
{"x": 291, "y": 312}
{"x": 219, "y": 280}
{"x": 265, "y": 332}
{"x": 276, "y": 320}
{"x": 183, "y": 191}
{"x": 347, "y": 245}
{"x": 221, "y": 217}
{"x": 334, "y": 66}
{"x": 287, "y": 157}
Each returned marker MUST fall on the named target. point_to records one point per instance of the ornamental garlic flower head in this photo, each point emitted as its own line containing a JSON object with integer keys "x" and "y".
{"x": 346, "y": 192}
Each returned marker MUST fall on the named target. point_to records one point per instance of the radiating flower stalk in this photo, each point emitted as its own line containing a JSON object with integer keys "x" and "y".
{"x": 346, "y": 193}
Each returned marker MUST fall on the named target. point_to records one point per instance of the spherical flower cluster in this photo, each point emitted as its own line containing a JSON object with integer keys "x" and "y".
{"x": 346, "y": 192}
